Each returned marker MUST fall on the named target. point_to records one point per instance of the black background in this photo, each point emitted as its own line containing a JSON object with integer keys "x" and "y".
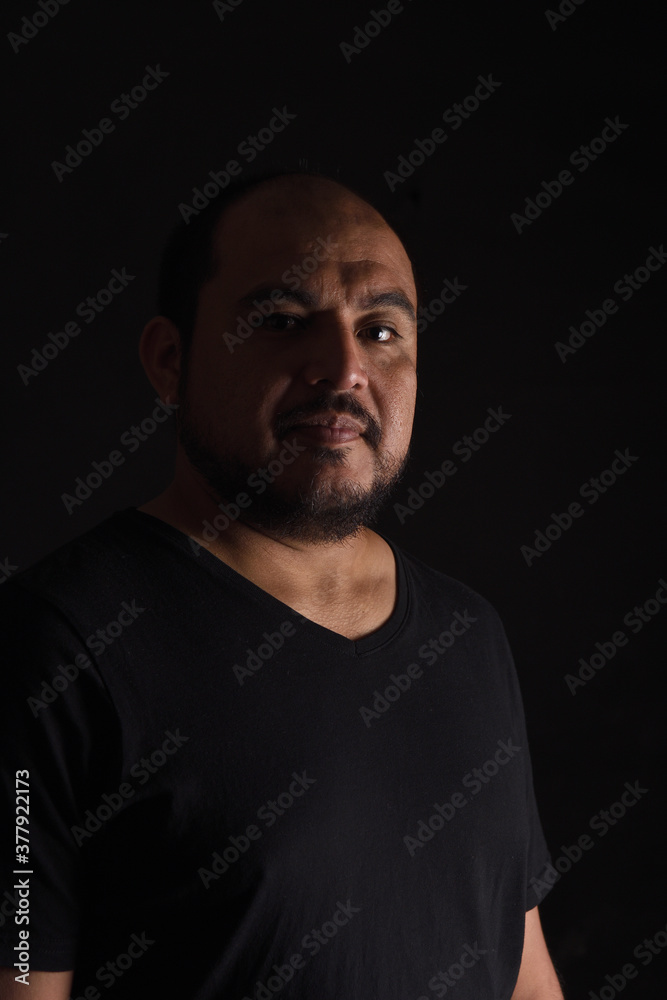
{"x": 493, "y": 347}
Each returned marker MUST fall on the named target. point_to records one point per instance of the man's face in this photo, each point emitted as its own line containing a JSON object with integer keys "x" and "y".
{"x": 330, "y": 371}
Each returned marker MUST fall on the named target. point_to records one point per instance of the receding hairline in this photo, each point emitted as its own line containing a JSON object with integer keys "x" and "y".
{"x": 321, "y": 193}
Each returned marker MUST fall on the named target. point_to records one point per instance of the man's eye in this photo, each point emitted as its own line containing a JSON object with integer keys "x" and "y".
{"x": 279, "y": 321}
{"x": 387, "y": 334}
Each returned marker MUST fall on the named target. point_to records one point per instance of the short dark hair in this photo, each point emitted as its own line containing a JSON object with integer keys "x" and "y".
{"x": 189, "y": 261}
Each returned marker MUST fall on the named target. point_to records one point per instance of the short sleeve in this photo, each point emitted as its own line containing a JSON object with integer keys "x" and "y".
{"x": 538, "y": 859}
{"x": 57, "y": 723}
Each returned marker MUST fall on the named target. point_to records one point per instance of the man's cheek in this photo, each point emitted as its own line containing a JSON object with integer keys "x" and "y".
{"x": 402, "y": 397}
{"x": 396, "y": 431}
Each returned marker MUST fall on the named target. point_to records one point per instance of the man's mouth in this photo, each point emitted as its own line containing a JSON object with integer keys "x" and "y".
{"x": 328, "y": 428}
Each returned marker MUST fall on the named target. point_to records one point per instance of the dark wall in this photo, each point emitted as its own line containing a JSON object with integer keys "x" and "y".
{"x": 554, "y": 82}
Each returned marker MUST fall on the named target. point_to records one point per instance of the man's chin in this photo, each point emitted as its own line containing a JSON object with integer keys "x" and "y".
{"x": 325, "y": 530}
{"x": 326, "y": 514}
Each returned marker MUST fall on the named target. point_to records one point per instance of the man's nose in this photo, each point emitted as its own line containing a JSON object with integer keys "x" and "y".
{"x": 335, "y": 355}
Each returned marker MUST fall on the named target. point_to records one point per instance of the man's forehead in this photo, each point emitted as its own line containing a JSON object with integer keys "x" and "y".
{"x": 303, "y": 231}
{"x": 355, "y": 248}
{"x": 340, "y": 276}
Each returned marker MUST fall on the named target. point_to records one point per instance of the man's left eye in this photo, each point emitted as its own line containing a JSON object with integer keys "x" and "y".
{"x": 387, "y": 333}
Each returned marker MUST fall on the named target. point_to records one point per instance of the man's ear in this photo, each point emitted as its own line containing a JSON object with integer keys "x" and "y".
{"x": 160, "y": 354}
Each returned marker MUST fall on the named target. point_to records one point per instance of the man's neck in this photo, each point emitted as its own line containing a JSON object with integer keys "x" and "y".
{"x": 349, "y": 587}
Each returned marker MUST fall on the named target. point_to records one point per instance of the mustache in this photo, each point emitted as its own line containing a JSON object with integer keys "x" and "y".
{"x": 343, "y": 404}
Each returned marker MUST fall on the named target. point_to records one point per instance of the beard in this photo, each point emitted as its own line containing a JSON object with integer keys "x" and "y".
{"x": 319, "y": 513}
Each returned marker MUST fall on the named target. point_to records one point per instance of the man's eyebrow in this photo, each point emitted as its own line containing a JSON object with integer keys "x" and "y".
{"x": 394, "y": 298}
{"x": 267, "y": 293}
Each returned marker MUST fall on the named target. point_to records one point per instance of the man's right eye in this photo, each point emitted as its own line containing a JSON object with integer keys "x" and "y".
{"x": 278, "y": 321}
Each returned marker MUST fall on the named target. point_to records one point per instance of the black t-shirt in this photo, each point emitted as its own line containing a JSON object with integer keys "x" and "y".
{"x": 228, "y": 800}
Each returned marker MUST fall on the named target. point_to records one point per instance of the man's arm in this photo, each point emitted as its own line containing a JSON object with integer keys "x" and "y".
{"x": 537, "y": 976}
{"x": 42, "y": 985}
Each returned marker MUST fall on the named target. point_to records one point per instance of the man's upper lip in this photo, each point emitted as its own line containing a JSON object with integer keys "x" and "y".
{"x": 330, "y": 420}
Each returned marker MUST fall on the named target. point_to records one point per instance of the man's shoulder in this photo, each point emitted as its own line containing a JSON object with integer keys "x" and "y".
{"x": 78, "y": 569}
{"x": 434, "y": 585}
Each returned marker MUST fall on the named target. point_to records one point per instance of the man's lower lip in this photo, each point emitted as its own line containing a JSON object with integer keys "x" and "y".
{"x": 325, "y": 435}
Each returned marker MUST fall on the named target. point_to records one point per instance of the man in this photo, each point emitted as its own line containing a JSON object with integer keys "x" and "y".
{"x": 283, "y": 757}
